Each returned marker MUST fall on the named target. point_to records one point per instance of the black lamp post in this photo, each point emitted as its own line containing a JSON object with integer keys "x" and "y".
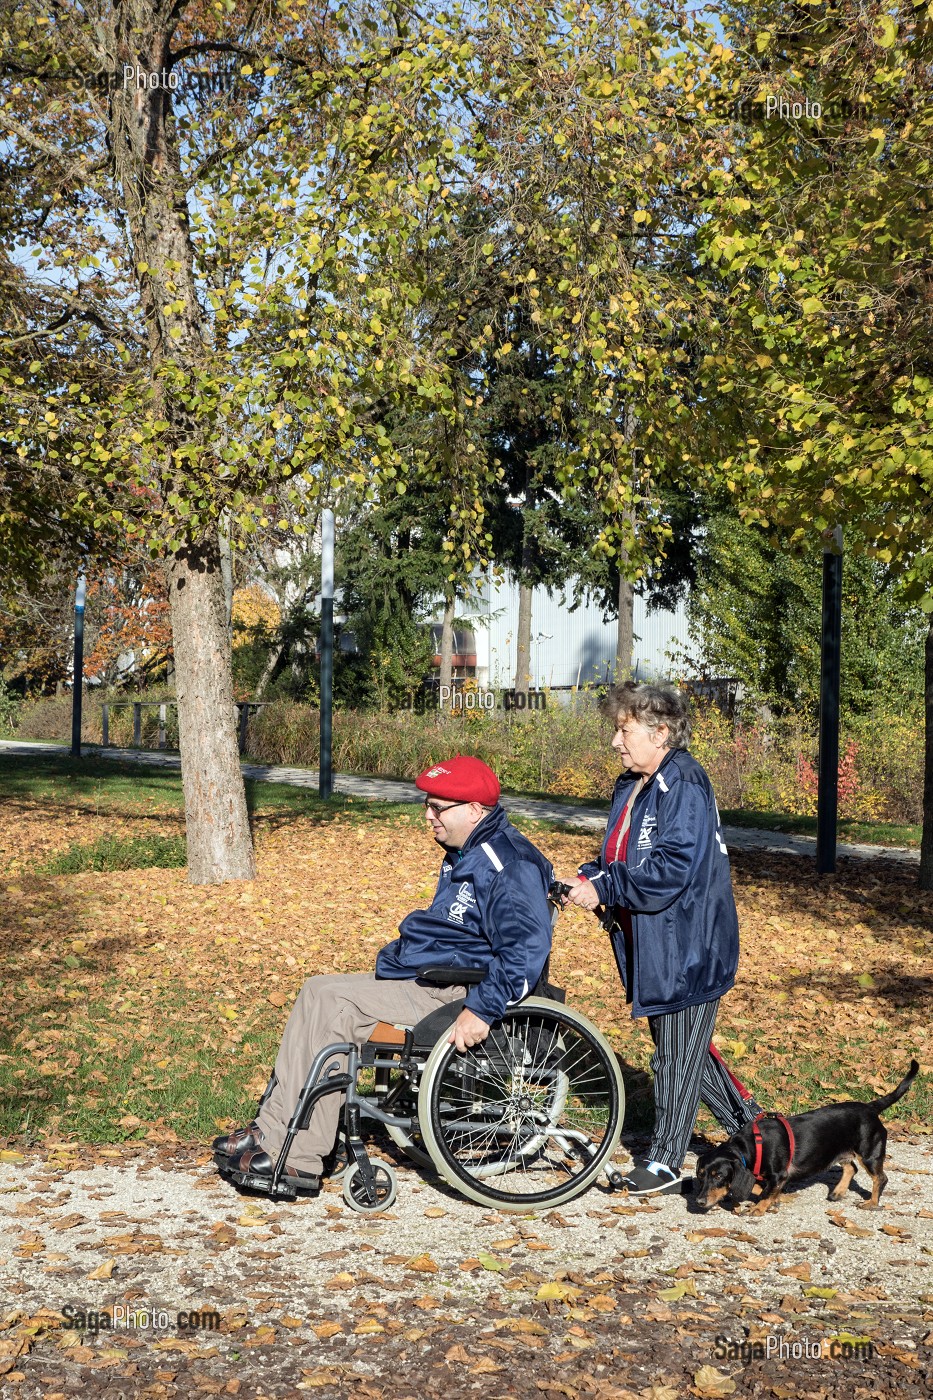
{"x": 827, "y": 807}
{"x": 325, "y": 773}
{"x": 77, "y": 688}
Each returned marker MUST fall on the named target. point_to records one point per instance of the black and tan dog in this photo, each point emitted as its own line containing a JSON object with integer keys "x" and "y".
{"x": 774, "y": 1149}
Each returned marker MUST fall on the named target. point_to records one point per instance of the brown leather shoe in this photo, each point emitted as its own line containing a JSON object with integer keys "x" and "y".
{"x": 259, "y": 1163}
{"x": 238, "y": 1141}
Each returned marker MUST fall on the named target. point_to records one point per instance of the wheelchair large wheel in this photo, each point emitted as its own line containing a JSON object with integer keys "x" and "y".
{"x": 530, "y": 1117}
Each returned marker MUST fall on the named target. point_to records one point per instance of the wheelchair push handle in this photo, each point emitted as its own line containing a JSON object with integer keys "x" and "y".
{"x": 557, "y": 893}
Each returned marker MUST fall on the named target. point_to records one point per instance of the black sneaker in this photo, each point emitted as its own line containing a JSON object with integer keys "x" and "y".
{"x": 652, "y": 1179}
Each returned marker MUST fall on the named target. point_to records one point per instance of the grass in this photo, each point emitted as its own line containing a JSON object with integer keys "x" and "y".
{"x": 101, "y": 786}
{"x": 871, "y": 833}
{"x": 111, "y": 785}
{"x": 115, "y": 853}
{"x": 92, "y": 1093}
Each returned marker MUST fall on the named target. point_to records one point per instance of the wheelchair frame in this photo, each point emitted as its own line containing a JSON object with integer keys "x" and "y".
{"x": 517, "y": 1127}
{"x": 453, "y": 1135}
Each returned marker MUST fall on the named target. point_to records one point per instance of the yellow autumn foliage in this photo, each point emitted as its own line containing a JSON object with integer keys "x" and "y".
{"x": 256, "y": 615}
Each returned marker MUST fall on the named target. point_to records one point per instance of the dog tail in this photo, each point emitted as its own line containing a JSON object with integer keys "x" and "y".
{"x": 879, "y": 1105}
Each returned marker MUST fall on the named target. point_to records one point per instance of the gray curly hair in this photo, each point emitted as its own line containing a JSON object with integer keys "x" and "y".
{"x": 652, "y": 706}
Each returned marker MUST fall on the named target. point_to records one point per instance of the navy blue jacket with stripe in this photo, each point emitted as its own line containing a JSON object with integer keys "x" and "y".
{"x": 490, "y": 910}
{"x": 675, "y": 880}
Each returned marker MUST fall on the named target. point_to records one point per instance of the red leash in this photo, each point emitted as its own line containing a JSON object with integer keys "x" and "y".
{"x": 743, "y": 1092}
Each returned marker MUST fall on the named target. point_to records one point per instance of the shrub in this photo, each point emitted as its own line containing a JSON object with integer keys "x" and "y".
{"x": 10, "y": 706}
{"x": 765, "y": 765}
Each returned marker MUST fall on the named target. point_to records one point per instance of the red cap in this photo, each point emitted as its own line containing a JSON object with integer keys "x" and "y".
{"x": 461, "y": 779}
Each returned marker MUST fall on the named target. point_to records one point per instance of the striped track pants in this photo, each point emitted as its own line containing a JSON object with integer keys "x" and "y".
{"x": 684, "y": 1073}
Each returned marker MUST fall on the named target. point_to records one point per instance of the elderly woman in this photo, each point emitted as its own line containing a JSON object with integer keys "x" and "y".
{"x": 663, "y": 873}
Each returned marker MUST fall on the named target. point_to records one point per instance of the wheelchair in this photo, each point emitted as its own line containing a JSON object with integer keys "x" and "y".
{"x": 526, "y": 1120}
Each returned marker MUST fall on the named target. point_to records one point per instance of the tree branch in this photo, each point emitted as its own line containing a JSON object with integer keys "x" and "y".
{"x": 209, "y": 46}
{"x": 76, "y": 173}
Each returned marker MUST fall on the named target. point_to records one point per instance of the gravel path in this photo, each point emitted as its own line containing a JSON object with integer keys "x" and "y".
{"x": 440, "y": 1296}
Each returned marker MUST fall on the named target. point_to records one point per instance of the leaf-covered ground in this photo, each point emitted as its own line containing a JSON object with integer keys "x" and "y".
{"x": 141, "y": 1012}
{"x": 135, "y": 995}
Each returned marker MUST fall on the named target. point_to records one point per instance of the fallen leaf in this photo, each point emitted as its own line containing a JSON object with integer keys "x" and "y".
{"x": 421, "y": 1264}
{"x": 801, "y": 1271}
{"x": 323, "y": 1330}
{"x": 526, "y": 1325}
{"x": 710, "y": 1382}
{"x": 312, "y": 1380}
{"x": 368, "y": 1327}
{"x": 103, "y": 1271}
{"x": 556, "y": 1292}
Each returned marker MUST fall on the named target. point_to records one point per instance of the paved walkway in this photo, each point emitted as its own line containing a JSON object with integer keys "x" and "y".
{"x": 740, "y": 838}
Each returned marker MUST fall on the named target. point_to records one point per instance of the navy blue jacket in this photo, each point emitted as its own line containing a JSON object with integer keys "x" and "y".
{"x": 490, "y": 910}
{"x": 675, "y": 881}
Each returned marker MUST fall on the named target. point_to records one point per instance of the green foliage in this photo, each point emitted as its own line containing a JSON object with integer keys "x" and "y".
{"x": 755, "y": 612}
{"x": 390, "y": 569}
{"x": 120, "y": 853}
{"x": 814, "y": 246}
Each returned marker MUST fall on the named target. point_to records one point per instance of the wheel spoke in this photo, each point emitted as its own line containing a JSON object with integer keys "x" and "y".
{"x": 530, "y": 1113}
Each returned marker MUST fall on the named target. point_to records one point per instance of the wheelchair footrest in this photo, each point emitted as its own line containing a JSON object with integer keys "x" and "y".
{"x": 253, "y": 1182}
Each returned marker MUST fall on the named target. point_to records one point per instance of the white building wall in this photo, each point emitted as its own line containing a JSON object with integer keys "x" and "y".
{"x": 568, "y": 648}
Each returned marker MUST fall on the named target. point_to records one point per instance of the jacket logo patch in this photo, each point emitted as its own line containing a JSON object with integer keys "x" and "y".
{"x": 464, "y": 901}
{"x": 644, "y": 836}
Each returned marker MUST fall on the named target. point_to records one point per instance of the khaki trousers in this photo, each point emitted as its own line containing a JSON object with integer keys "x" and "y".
{"x": 339, "y": 1007}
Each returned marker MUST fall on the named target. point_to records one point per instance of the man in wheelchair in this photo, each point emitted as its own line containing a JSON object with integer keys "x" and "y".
{"x": 489, "y": 912}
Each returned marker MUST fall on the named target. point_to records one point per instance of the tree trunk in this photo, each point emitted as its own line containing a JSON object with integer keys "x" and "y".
{"x": 523, "y": 640}
{"x": 625, "y": 635}
{"x": 523, "y": 629}
{"x": 271, "y": 669}
{"x": 147, "y": 163}
{"x": 447, "y": 647}
{"x": 226, "y": 573}
{"x": 926, "y": 845}
{"x": 216, "y": 819}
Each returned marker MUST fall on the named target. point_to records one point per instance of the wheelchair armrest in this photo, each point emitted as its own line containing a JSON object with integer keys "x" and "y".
{"x": 452, "y": 976}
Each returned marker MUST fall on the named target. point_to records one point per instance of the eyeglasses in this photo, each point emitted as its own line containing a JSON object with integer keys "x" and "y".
{"x": 439, "y": 811}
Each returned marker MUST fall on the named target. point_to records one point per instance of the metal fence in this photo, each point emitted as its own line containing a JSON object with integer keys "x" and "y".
{"x": 244, "y": 707}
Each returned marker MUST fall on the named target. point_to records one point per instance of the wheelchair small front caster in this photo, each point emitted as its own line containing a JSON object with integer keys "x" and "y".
{"x": 356, "y": 1194}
